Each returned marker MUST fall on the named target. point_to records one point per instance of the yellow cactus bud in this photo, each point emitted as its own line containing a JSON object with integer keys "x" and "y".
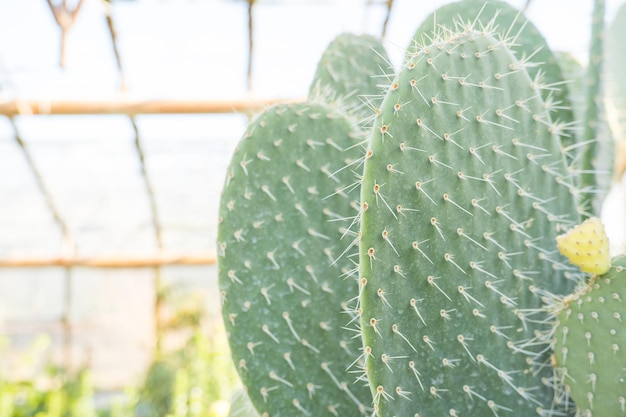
{"x": 586, "y": 246}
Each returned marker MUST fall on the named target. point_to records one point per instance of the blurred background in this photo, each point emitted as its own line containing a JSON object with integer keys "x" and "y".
{"x": 117, "y": 120}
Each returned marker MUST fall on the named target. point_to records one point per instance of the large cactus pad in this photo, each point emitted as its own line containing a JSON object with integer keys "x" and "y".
{"x": 286, "y": 204}
{"x": 463, "y": 193}
{"x": 590, "y": 345}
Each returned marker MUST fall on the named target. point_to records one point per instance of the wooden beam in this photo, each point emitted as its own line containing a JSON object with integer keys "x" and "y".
{"x": 129, "y": 106}
{"x": 110, "y": 262}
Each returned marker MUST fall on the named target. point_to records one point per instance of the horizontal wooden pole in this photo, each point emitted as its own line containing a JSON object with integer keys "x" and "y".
{"x": 129, "y": 106}
{"x": 110, "y": 262}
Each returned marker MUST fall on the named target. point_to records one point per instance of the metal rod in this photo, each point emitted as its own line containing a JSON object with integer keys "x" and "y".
{"x": 110, "y": 262}
{"x": 154, "y": 211}
{"x": 66, "y": 320}
{"x": 250, "y": 43}
{"x": 387, "y": 17}
{"x": 65, "y": 18}
{"x": 68, "y": 241}
{"x": 113, "y": 36}
{"x": 128, "y": 106}
{"x": 65, "y": 231}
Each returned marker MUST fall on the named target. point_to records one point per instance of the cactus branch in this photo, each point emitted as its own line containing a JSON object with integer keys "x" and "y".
{"x": 594, "y": 107}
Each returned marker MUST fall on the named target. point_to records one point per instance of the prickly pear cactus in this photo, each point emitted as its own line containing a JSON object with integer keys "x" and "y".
{"x": 590, "y": 345}
{"x": 598, "y": 150}
{"x": 574, "y": 73}
{"x": 526, "y": 42}
{"x": 285, "y": 208}
{"x": 614, "y": 76}
{"x": 351, "y": 71}
{"x": 463, "y": 193}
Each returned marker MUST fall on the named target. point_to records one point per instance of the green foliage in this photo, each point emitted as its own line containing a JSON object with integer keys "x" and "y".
{"x": 190, "y": 380}
{"x": 184, "y": 382}
{"x": 64, "y": 395}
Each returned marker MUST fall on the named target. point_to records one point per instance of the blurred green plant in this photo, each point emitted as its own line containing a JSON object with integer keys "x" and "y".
{"x": 191, "y": 380}
{"x": 187, "y": 382}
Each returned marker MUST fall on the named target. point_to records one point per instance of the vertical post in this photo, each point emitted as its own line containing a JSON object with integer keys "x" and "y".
{"x": 526, "y": 6}
{"x": 113, "y": 35}
{"x": 156, "y": 225}
{"x": 65, "y": 18}
{"x": 68, "y": 243}
{"x": 158, "y": 284}
{"x": 250, "y": 43}
{"x": 66, "y": 321}
{"x": 387, "y": 17}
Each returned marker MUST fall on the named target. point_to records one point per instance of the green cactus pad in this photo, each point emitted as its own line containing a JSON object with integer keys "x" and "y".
{"x": 464, "y": 191}
{"x": 283, "y": 212}
{"x": 527, "y": 44}
{"x": 615, "y": 54}
{"x": 590, "y": 345}
{"x": 351, "y": 71}
{"x": 574, "y": 73}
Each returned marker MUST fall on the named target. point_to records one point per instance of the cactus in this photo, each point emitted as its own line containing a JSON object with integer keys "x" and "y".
{"x": 528, "y": 44}
{"x": 593, "y": 122}
{"x": 351, "y": 70}
{"x": 285, "y": 206}
{"x": 590, "y": 344}
{"x": 469, "y": 175}
{"x": 574, "y": 74}
{"x": 464, "y": 191}
{"x": 615, "y": 64}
